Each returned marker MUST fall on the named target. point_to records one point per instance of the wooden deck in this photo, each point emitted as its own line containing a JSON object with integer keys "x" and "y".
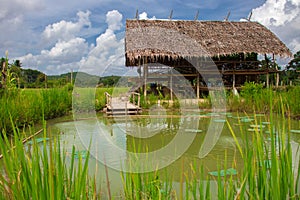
{"x": 122, "y": 105}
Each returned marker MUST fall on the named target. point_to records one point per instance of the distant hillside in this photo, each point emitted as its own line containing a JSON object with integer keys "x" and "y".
{"x": 85, "y": 79}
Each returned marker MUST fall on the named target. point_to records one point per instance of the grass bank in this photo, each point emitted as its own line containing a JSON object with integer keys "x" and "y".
{"x": 29, "y": 106}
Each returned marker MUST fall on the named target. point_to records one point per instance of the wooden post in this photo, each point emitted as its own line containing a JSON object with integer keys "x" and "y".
{"x": 268, "y": 76}
{"x": 71, "y": 76}
{"x": 198, "y": 85}
{"x": 145, "y": 77}
{"x": 171, "y": 85}
{"x": 277, "y": 73}
{"x": 277, "y": 79}
{"x": 233, "y": 76}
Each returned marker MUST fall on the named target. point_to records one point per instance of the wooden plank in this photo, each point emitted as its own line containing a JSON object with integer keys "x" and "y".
{"x": 119, "y": 106}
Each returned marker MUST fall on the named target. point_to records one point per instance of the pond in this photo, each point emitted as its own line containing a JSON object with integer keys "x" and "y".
{"x": 169, "y": 141}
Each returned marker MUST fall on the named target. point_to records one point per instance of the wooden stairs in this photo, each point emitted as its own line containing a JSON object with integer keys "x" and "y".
{"x": 122, "y": 105}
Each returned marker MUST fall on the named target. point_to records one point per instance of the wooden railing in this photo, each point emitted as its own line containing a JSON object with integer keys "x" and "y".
{"x": 133, "y": 95}
{"x": 108, "y": 99}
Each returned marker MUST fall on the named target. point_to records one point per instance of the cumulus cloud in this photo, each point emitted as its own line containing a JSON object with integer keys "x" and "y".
{"x": 108, "y": 52}
{"x": 144, "y": 16}
{"x": 114, "y": 20}
{"x": 66, "y": 49}
{"x": 283, "y": 18}
{"x": 69, "y": 51}
{"x": 277, "y": 12}
{"x": 66, "y": 30}
{"x": 64, "y": 53}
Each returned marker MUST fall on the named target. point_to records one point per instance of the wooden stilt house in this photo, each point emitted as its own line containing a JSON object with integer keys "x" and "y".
{"x": 200, "y": 50}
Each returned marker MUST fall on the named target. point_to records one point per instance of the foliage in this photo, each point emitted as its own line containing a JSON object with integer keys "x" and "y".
{"x": 251, "y": 89}
{"x": 109, "y": 81}
{"x": 295, "y": 62}
{"x": 291, "y": 73}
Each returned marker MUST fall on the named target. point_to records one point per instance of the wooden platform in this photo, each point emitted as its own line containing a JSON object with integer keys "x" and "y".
{"x": 121, "y": 106}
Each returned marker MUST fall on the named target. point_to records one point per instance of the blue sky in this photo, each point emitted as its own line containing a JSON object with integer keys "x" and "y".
{"x": 57, "y": 36}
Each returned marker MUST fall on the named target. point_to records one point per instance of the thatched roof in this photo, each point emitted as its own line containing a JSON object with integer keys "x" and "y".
{"x": 159, "y": 40}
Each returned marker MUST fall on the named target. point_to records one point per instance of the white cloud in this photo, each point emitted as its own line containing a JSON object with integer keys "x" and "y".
{"x": 66, "y": 30}
{"x": 66, "y": 51}
{"x": 144, "y": 16}
{"x": 15, "y": 9}
{"x": 65, "y": 55}
{"x": 109, "y": 49}
{"x": 15, "y": 33}
{"x": 276, "y": 12}
{"x": 114, "y": 20}
{"x": 72, "y": 52}
{"x": 283, "y": 18}
{"x": 295, "y": 45}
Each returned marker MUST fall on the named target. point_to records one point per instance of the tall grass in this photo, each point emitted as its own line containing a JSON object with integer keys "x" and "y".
{"x": 27, "y": 106}
{"x": 44, "y": 172}
{"x": 41, "y": 172}
{"x": 255, "y": 98}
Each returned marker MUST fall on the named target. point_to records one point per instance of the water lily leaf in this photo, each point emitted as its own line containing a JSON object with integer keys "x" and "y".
{"x": 83, "y": 154}
{"x": 193, "y": 130}
{"x": 220, "y": 120}
{"x": 295, "y": 131}
{"x": 37, "y": 140}
{"x": 229, "y": 171}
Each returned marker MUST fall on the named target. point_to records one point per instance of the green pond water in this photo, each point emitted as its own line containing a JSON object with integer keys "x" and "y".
{"x": 168, "y": 142}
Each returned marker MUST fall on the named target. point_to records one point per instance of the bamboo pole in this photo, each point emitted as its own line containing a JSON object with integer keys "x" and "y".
{"x": 25, "y": 140}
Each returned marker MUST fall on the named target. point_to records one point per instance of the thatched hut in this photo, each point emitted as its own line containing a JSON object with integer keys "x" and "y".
{"x": 233, "y": 47}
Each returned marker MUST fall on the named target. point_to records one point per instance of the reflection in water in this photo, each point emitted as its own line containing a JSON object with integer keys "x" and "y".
{"x": 117, "y": 142}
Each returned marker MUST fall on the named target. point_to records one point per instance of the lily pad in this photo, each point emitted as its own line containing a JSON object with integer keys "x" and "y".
{"x": 220, "y": 120}
{"x": 212, "y": 114}
{"x": 295, "y": 131}
{"x": 83, "y": 154}
{"x": 253, "y": 129}
{"x": 229, "y": 171}
{"x": 257, "y": 126}
{"x": 193, "y": 130}
{"x": 37, "y": 140}
{"x": 266, "y": 123}
{"x": 259, "y": 115}
{"x": 246, "y": 120}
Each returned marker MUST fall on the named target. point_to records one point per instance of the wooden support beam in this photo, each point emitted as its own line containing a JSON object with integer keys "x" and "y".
{"x": 145, "y": 77}
{"x": 198, "y": 86}
{"x": 233, "y": 76}
{"x": 268, "y": 76}
{"x": 171, "y": 85}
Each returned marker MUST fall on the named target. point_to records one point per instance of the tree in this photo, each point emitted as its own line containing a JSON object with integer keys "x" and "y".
{"x": 293, "y": 68}
{"x": 294, "y": 64}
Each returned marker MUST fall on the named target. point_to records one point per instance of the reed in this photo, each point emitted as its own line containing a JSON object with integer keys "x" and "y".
{"x": 42, "y": 172}
{"x": 29, "y": 106}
